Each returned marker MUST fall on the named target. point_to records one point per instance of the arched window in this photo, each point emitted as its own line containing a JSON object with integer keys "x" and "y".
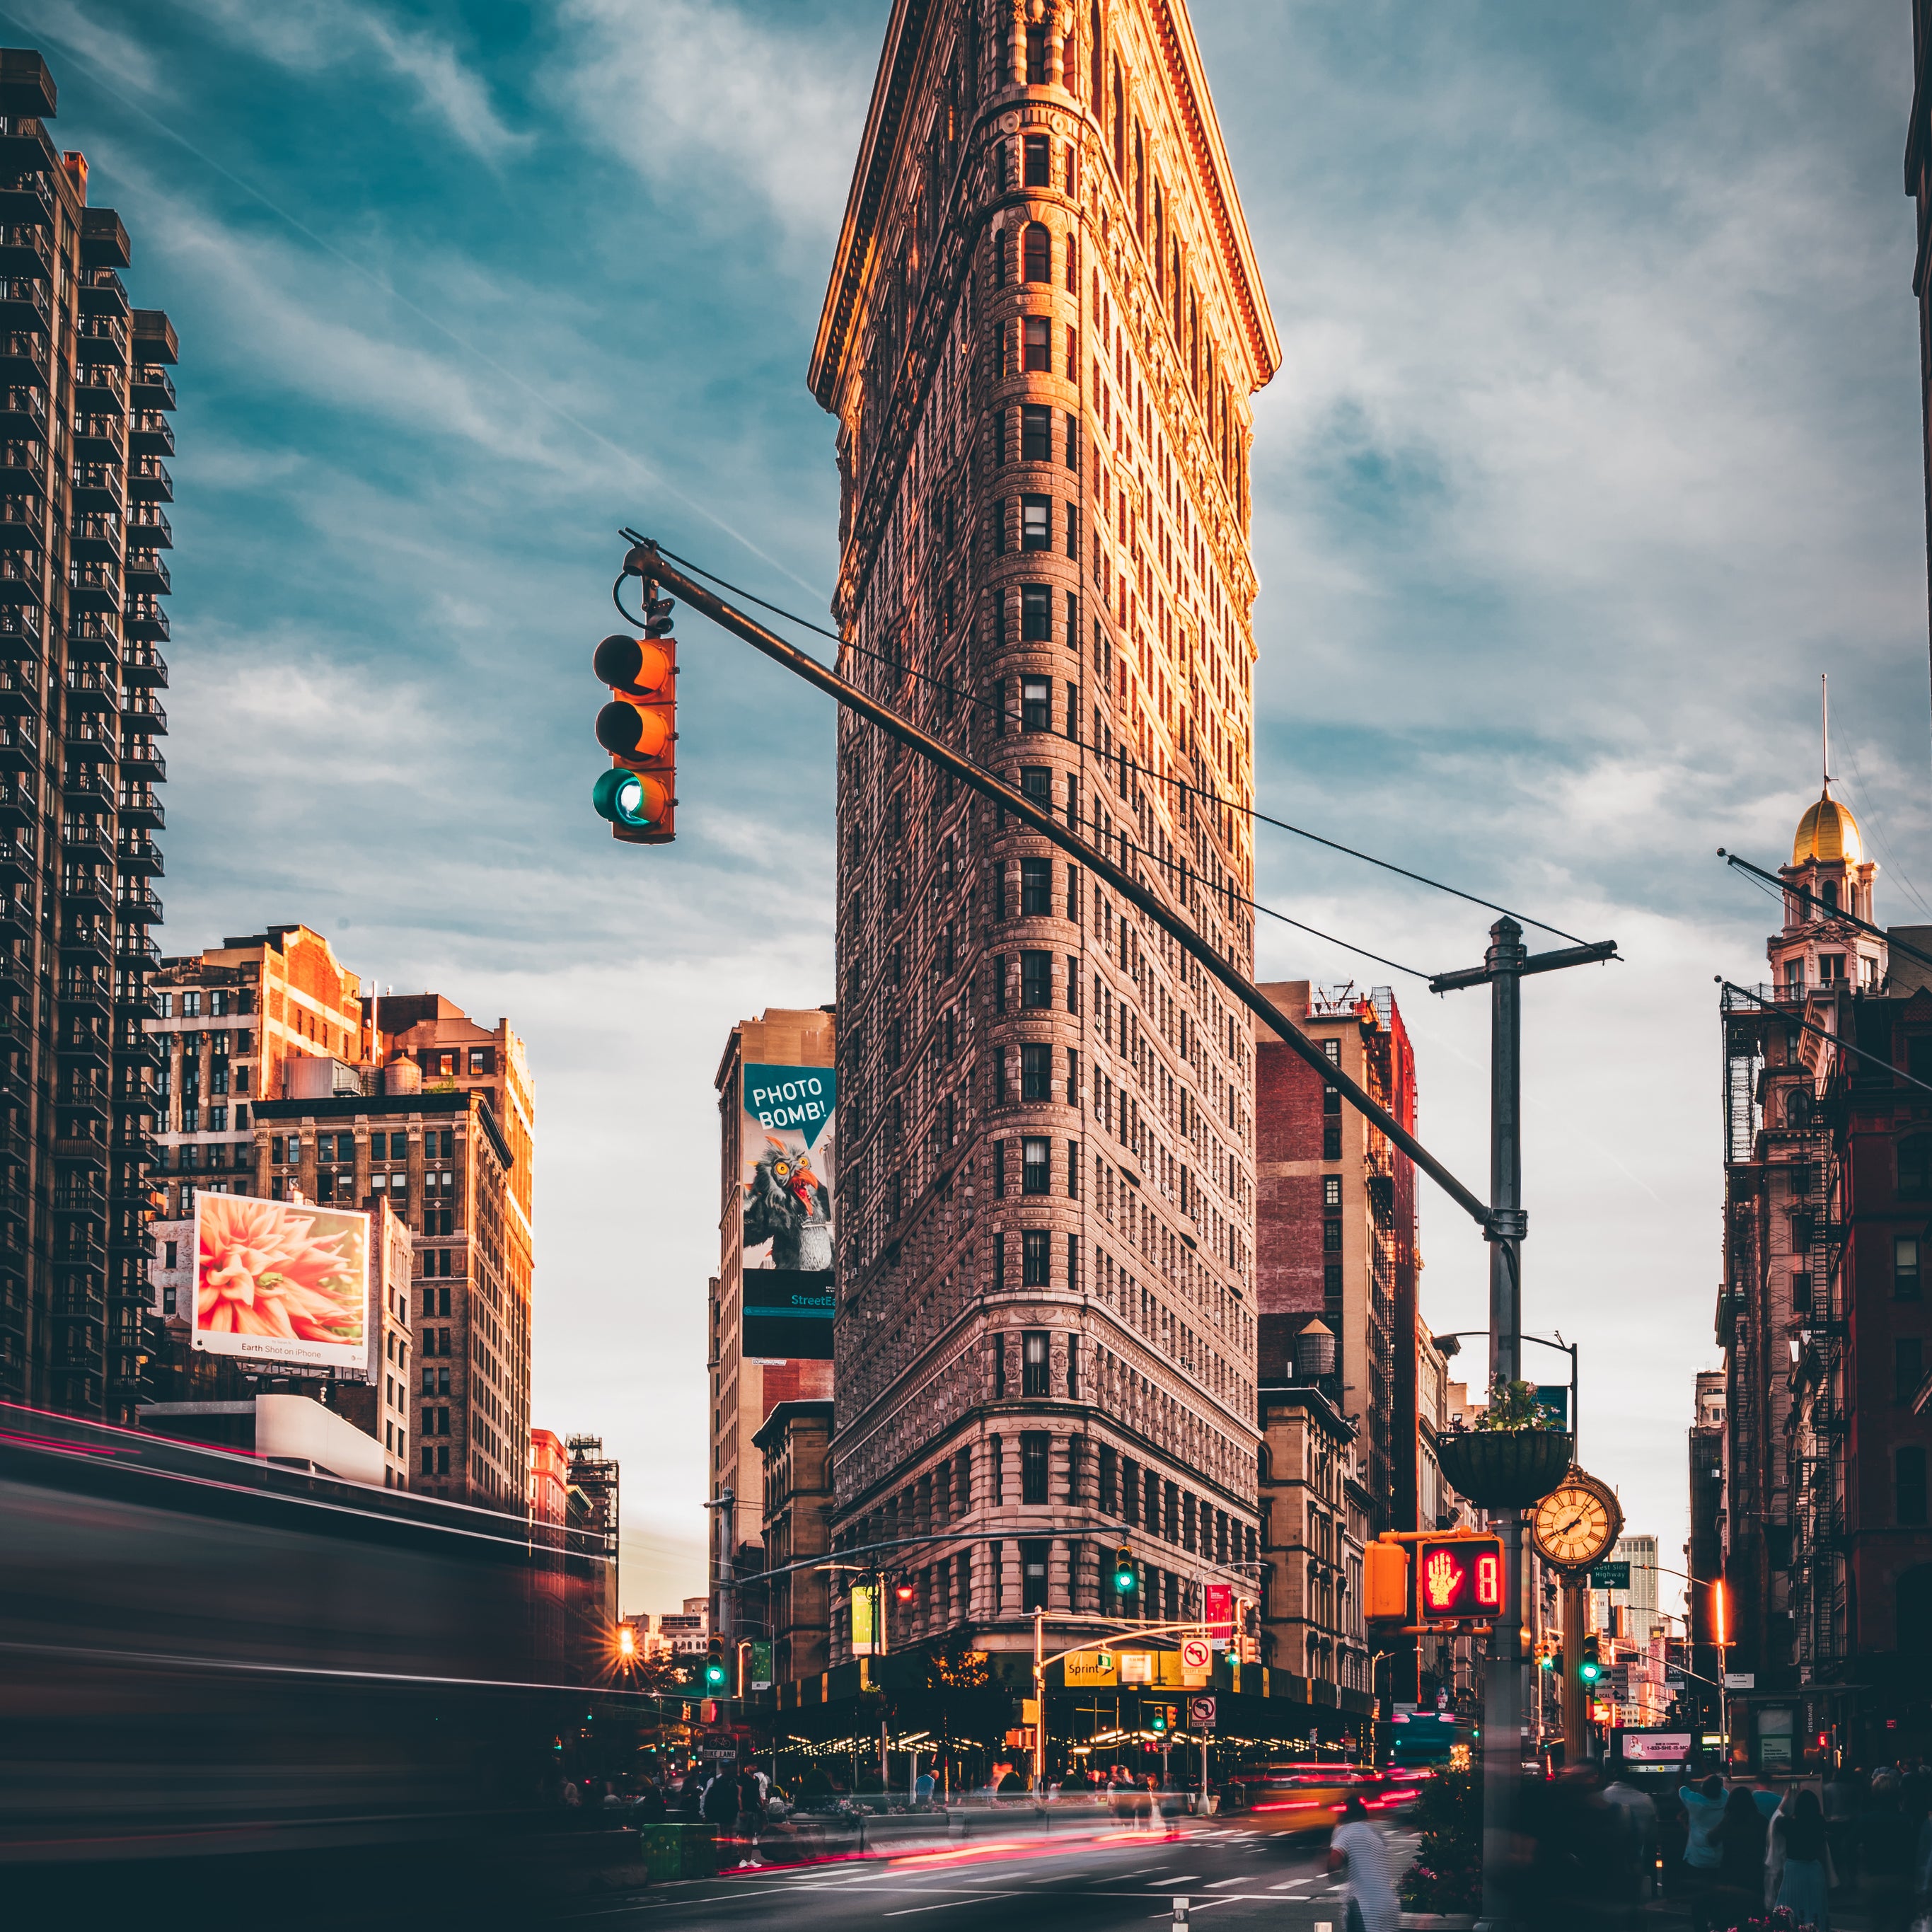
{"x": 1264, "y": 1466}
{"x": 1798, "y": 1107}
{"x": 1827, "y": 891}
{"x": 1096, "y": 55}
{"x": 1037, "y": 246}
{"x": 1119, "y": 126}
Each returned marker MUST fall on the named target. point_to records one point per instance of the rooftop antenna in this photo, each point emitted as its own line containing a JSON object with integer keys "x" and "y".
{"x": 1824, "y": 725}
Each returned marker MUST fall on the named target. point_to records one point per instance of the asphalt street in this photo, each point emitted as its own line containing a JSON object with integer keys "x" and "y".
{"x": 1230, "y": 1875}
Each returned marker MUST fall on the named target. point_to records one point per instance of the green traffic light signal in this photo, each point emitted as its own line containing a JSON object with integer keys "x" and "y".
{"x": 1124, "y": 1578}
{"x": 1589, "y": 1666}
{"x": 1157, "y": 1718}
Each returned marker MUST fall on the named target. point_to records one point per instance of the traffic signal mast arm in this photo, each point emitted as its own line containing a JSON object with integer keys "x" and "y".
{"x": 647, "y": 561}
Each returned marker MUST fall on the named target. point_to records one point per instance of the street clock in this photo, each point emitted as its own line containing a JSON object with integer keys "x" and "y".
{"x": 1577, "y": 1523}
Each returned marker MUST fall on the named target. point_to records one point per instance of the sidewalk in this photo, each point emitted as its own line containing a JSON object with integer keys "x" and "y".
{"x": 1849, "y": 1913}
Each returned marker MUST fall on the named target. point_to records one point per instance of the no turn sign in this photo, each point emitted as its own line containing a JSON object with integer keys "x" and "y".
{"x": 1196, "y": 1654}
{"x": 1201, "y": 1713}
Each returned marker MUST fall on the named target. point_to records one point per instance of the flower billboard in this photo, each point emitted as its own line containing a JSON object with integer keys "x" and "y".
{"x": 281, "y": 1281}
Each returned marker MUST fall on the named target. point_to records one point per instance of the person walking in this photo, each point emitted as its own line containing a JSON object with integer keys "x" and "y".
{"x": 1638, "y": 1811}
{"x": 1738, "y": 1890}
{"x": 1803, "y": 1888}
{"x": 1356, "y": 1848}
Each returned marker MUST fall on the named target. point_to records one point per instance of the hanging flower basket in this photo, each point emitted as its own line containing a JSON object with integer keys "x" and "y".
{"x": 1505, "y": 1468}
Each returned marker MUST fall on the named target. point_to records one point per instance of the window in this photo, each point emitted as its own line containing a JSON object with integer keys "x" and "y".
{"x": 1037, "y": 251}
{"x": 1036, "y": 341}
{"x": 1331, "y": 1141}
{"x": 1800, "y": 1293}
{"x": 1036, "y": 1168}
{"x": 190, "y": 1006}
{"x": 1034, "y": 1268}
{"x": 1915, "y": 1168}
{"x": 217, "y": 1002}
{"x": 1072, "y": 442}
{"x": 1073, "y": 551}
{"x": 1034, "y": 1363}
{"x": 1331, "y": 1282}
{"x": 1827, "y": 891}
{"x": 1073, "y": 1395}
{"x": 1331, "y": 1190}
{"x": 1831, "y": 967}
{"x": 999, "y": 1171}
{"x": 167, "y": 1005}
{"x": 1000, "y": 1281}
{"x": 479, "y": 1059}
{"x": 1037, "y": 889}
{"x": 275, "y": 1146}
{"x": 1909, "y": 1473}
{"x": 1036, "y": 77}
{"x": 1036, "y": 714}
{"x": 1036, "y": 613}
{"x": 1110, "y": 1481}
{"x": 1036, "y": 433}
{"x": 1037, "y": 1071}
{"x": 1904, "y": 1269}
{"x": 1033, "y": 1465}
{"x": 1036, "y": 524}
{"x": 1331, "y": 1237}
{"x": 1036, "y": 978}
{"x": 1908, "y": 1367}
{"x": 998, "y": 1344}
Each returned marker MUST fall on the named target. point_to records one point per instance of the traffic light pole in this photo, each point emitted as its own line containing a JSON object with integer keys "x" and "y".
{"x": 647, "y": 561}
{"x": 1504, "y": 968}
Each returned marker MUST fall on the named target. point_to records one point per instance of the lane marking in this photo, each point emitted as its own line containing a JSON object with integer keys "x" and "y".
{"x": 906, "y": 1911}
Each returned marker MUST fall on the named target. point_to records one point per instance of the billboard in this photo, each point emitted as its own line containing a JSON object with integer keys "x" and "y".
{"x": 280, "y": 1281}
{"x": 787, "y": 1141}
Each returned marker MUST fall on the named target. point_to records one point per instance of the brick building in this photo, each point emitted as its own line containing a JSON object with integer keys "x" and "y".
{"x": 86, "y": 404}
{"x": 1336, "y": 1225}
{"x": 228, "y": 1022}
{"x": 1044, "y": 322}
{"x": 795, "y": 1444}
{"x": 1827, "y": 1549}
{"x": 746, "y": 1384}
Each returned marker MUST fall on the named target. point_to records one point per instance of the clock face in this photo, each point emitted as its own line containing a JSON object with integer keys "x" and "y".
{"x": 1573, "y": 1526}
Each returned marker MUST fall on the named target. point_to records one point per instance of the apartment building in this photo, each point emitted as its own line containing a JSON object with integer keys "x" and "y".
{"x": 86, "y": 402}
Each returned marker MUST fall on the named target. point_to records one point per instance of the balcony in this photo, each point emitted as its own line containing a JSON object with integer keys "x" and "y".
{"x": 83, "y": 1099}
{"x": 139, "y": 807}
{"x": 139, "y": 854}
{"x": 19, "y": 744}
{"x": 94, "y": 639}
{"x": 87, "y": 891}
{"x": 20, "y": 576}
{"x": 84, "y": 789}
{"x": 20, "y": 690}
{"x": 147, "y": 479}
{"x": 134, "y": 999}
{"x": 103, "y": 337}
{"x": 146, "y": 619}
{"x": 150, "y": 433}
{"x": 81, "y": 840}
{"x": 148, "y": 527}
{"x": 23, "y": 468}
{"x": 26, "y": 253}
{"x": 85, "y": 992}
{"x": 138, "y": 903}
{"x": 144, "y": 665}
{"x": 139, "y": 760}
{"x": 134, "y": 951}
{"x": 78, "y": 1301}
{"x": 93, "y": 539}
{"x": 147, "y": 574}
{"x": 23, "y": 358}
{"x": 98, "y": 438}
{"x": 101, "y": 389}
{"x": 93, "y": 586}
{"x": 24, "y": 305}
{"x": 81, "y": 1044}
{"x": 97, "y": 486}
{"x": 26, "y": 200}
{"x": 16, "y": 858}
{"x": 87, "y": 946}
{"x": 19, "y": 630}
{"x": 92, "y": 740}
{"x": 153, "y": 387}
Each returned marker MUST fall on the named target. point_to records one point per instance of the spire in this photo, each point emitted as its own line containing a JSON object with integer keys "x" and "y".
{"x": 1824, "y": 725}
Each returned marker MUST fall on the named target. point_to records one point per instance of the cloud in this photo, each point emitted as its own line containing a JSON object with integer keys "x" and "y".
{"x": 69, "y": 27}
{"x": 712, "y": 103}
{"x": 303, "y": 35}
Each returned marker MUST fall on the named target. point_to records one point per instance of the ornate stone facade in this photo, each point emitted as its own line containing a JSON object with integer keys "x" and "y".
{"x": 1043, "y": 325}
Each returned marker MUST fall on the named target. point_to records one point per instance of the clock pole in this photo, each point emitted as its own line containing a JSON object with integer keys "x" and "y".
{"x": 1503, "y": 969}
{"x": 1576, "y": 1696}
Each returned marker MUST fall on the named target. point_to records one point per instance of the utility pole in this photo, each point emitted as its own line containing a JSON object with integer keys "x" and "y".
{"x": 1503, "y": 970}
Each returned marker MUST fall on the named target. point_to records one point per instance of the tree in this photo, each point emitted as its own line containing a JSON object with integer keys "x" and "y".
{"x": 1448, "y": 1873}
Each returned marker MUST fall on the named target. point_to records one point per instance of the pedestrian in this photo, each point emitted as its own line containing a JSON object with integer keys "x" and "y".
{"x": 719, "y": 1804}
{"x": 1738, "y": 1892}
{"x": 1638, "y": 1811}
{"x": 650, "y": 1802}
{"x": 1147, "y": 1805}
{"x": 751, "y": 1806}
{"x": 1843, "y": 1800}
{"x": 691, "y": 1796}
{"x": 1803, "y": 1885}
{"x": 1356, "y": 1846}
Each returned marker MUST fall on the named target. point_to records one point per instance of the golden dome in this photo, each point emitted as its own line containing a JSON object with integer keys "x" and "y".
{"x": 1828, "y": 831}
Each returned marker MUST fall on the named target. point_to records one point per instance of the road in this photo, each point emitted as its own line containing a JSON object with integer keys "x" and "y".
{"x": 1230, "y": 1876}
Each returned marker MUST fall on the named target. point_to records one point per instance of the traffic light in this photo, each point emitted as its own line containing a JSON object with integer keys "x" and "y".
{"x": 715, "y": 1675}
{"x": 1157, "y": 1717}
{"x": 905, "y": 1591}
{"x": 1590, "y": 1667}
{"x": 638, "y": 727}
{"x": 1546, "y": 1660}
{"x": 1127, "y": 1579}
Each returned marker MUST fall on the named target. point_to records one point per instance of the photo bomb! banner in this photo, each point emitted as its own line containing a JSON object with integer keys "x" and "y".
{"x": 789, "y": 1137}
{"x": 280, "y": 1281}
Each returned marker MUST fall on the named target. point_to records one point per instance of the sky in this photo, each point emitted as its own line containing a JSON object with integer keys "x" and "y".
{"x": 1596, "y": 440}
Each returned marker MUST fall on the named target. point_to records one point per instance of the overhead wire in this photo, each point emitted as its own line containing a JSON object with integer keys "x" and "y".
{"x": 1007, "y": 715}
{"x": 1126, "y": 844}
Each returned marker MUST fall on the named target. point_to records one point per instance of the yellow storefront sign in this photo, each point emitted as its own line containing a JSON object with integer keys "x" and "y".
{"x": 1109, "y": 1669}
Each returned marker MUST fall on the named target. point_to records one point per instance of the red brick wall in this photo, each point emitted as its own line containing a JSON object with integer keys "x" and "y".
{"x": 1288, "y": 1212}
{"x": 795, "y": 1381}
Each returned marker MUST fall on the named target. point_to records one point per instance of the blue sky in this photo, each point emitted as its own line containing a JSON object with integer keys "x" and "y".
{"x": 1596, "y": 440}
